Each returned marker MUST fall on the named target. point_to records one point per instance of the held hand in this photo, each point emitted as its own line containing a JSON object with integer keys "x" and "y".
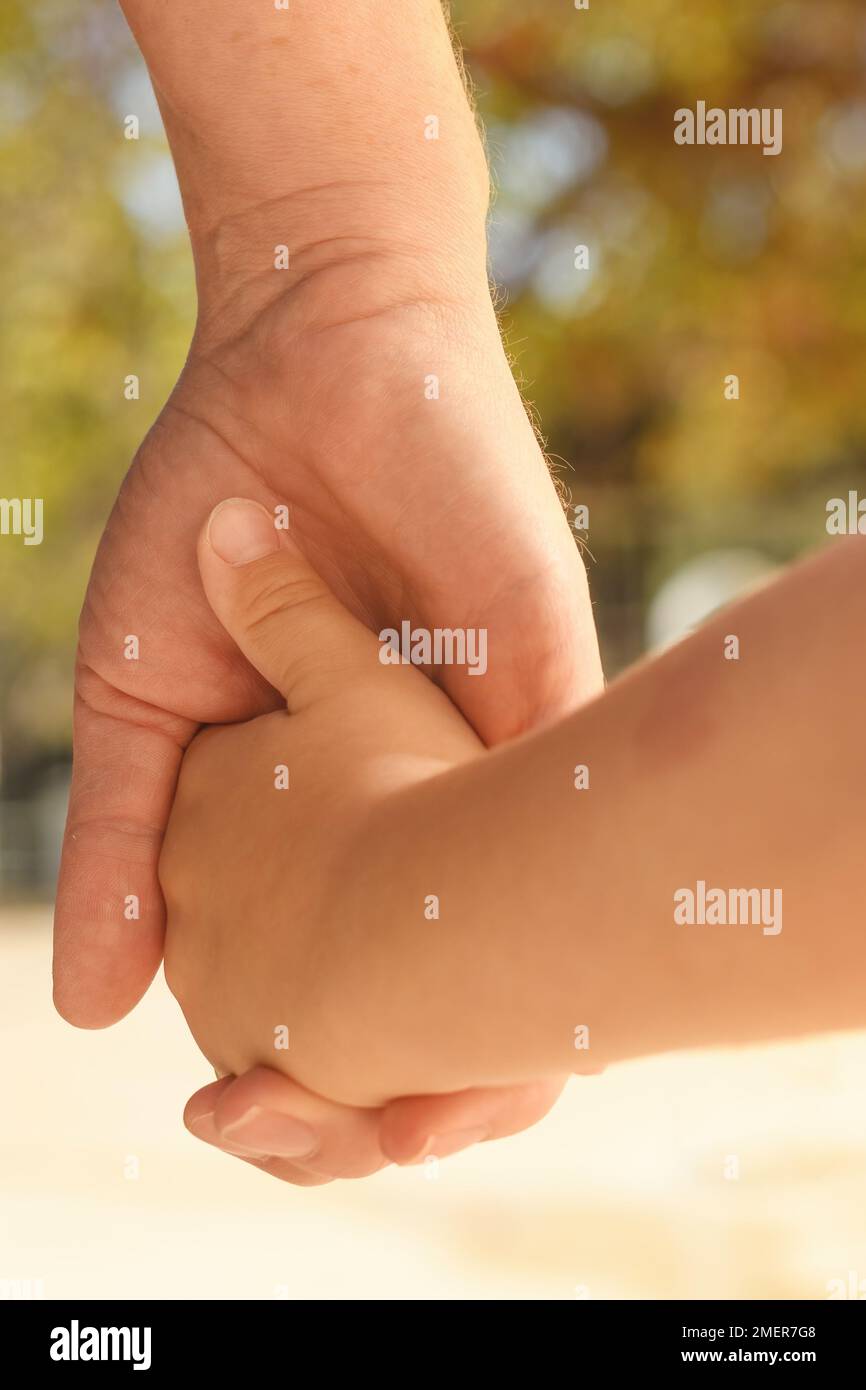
{"x": 435, "y": 511}
{"x": 340, "y": 737}
{"x": 440, "y": 512}
{"x": 267, "y": 841}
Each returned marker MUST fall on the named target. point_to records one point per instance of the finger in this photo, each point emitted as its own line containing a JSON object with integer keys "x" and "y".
{"x": 109, "y": 916}
{"x": 202, "y": 1127}
{"x": 199, "y": 1120}
{"x": 283, "y": 617}
{"x": 416, "y": 1126}
{"x": 270, "y": 1120}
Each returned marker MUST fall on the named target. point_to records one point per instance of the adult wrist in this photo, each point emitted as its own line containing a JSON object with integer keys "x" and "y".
{"x": 328, "y": 130}
{"x": 341, "y": 253}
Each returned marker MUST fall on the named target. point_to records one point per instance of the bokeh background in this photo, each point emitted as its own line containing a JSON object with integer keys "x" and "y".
{"x": 703, "y": 262}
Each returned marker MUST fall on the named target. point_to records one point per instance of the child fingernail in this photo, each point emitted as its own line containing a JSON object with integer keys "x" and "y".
{"x": 241, "y": 531}
{"x": 268, "y": 1132}
{"x": 441, "y": 1145}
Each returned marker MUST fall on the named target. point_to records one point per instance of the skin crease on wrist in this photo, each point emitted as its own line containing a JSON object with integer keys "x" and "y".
{"x": 279, "y": 403}
{"x": 329, "y": 136}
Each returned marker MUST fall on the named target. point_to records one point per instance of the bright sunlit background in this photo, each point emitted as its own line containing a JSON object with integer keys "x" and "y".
{"x": 726, "y": 1175}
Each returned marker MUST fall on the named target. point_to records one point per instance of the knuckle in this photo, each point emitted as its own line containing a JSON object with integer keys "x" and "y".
{"x": 284, "y": 593}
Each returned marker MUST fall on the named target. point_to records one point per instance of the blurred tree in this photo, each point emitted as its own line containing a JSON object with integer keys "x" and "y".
{"x": 703, "y": 262}
{"x": 91, "y": 291}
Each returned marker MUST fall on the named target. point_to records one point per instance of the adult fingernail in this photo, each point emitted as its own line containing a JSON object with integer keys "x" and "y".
{"x": 441, "y": 1145}
{"x": 269, "y": 1132}
{"x": 204, "y": 1127}
{"x": 241, "y": 531}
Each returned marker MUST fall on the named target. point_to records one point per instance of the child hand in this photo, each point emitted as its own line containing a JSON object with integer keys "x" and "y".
{"x": 269, "y": 815}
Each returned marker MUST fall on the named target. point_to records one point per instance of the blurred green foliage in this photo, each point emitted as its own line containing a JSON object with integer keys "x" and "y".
{"x": 87, "y": 295}
{"x": 703, "y": 262}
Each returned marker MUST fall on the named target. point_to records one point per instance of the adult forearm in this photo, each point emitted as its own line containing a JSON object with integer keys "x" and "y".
{"x": 562, "y": 909}
{"x": 315, "y": 126}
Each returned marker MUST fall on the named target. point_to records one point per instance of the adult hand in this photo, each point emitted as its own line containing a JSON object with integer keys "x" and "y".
{"x": 366, "y": 388}
{"x": 436, "y": 511}
{"x": 439, "y": 511}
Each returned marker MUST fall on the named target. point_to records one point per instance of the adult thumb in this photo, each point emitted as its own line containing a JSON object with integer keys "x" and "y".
{"x": 282, "y": 616}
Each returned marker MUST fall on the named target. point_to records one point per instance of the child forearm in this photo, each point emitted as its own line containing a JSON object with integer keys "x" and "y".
{"x": 512, "y": 918}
